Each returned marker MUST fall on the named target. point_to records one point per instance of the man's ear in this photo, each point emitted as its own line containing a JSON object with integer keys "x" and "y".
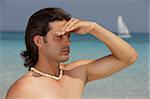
{"x": 38, "y": 40}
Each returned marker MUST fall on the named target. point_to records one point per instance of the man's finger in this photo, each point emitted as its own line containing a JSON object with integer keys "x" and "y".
{"x": 63, "y": 29}
{"x": 74, "y": 28}
{"x": 72, "y": 24}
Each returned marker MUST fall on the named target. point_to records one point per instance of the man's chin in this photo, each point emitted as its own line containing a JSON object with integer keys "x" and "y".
{"x": 64, "y": 58}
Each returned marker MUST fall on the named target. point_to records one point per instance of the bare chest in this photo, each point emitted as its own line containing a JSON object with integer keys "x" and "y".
{"x": 67, "y": 88}
{"x": 70, "y": 86}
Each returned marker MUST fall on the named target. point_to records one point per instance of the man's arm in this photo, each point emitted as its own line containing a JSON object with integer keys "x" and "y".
{"x": 19, "y": 90}
{"x": 122, "y": 55}
{"x": 23, "y": 88}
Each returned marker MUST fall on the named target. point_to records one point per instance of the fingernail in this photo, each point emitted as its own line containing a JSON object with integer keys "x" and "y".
{"x": 60, "y": 33}
{"x": 57, "y": 33}
{"x": 63, "y": 33}
{"x": 67, "y": 29}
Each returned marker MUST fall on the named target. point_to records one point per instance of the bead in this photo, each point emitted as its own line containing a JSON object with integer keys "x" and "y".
{"x": 48, "y": 75}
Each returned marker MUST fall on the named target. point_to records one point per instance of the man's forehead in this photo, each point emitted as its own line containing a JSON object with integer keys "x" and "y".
{"x": 56, "y": 26}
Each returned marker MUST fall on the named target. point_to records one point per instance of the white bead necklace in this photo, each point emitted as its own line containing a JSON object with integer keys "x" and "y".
{"x": 46, "y": 74}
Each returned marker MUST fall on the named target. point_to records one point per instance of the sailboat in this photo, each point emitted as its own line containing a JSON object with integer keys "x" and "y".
{"x": 123, "y": 31}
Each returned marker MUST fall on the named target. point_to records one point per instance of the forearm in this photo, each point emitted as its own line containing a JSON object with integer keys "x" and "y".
{"x": 119, "y": 48}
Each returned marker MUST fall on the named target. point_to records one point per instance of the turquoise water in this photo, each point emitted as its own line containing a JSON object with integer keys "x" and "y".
{"x": 130, "y": 83}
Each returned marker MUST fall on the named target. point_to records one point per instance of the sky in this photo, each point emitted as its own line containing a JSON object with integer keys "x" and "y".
{"x": 14, "y": 14}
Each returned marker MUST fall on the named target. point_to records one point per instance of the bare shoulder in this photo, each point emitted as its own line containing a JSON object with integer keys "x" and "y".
{"x": 77, "y": 68}
{"x": 21, "y": 88}
{"x": 77, "y": 64}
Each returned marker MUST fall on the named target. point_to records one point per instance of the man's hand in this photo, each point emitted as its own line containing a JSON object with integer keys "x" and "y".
{"x": 77, "y": 26}
{"x": 122, "y": 54}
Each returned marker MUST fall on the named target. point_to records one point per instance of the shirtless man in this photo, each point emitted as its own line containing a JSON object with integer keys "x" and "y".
{"x": 48, "y": 43}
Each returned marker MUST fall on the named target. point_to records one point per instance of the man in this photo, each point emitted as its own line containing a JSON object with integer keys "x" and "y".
{"x": 48, "y": 43}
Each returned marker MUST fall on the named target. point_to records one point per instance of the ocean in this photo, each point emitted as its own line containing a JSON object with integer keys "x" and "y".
{"x": 129, "y": 83}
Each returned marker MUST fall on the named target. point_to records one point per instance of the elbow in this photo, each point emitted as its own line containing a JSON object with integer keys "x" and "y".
{"x": 133, "y": 58}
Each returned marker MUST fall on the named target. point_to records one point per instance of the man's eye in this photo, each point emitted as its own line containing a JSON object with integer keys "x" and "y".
{"x": 69, "y": 35}
{"x": 59, "y": 36}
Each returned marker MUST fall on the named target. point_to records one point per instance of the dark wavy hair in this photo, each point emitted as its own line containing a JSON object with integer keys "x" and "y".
{"x": 38, "y": 25}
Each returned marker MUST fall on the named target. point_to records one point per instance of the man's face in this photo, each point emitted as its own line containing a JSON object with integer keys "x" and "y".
{"x": 56, "y": 47}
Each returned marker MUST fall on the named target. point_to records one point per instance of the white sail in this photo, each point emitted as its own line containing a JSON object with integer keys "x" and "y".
{"x": 123, "y": 31}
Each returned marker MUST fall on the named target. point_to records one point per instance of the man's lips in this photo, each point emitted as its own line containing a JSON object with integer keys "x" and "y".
{"x": 65, "y": 52}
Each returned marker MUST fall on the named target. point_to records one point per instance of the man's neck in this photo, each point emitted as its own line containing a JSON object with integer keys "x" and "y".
{"x": 51, "y": 68}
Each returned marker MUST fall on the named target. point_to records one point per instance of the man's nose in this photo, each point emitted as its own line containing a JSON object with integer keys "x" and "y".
{"x": 67, "y": 41}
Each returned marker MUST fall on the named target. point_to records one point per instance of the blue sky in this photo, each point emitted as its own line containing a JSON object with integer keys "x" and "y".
{"x": 14, "y": 14}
